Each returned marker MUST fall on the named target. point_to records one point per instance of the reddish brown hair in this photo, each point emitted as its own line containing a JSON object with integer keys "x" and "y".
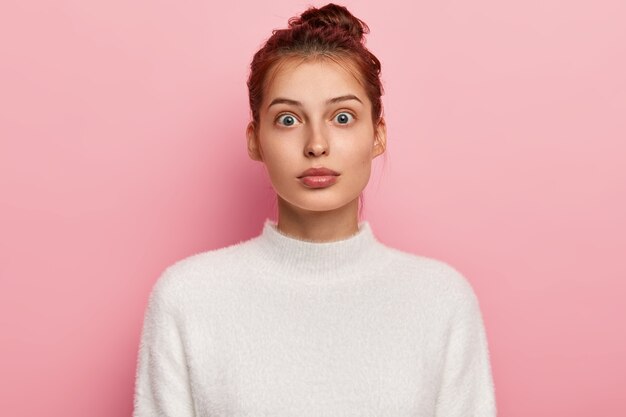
{"x": 330, "y": 32}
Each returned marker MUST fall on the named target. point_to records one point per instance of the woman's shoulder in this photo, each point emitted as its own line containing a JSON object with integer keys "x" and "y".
{"x": 431, "y": 274}
{"x": 211, "y": 260}
{"x": 210, "y": 267}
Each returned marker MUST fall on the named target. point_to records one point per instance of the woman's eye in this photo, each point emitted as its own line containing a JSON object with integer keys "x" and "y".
{"x": 287, "y": 119}
{"x": 344, "y": 118}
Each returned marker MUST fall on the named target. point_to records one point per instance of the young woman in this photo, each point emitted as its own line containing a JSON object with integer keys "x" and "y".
{"x": 314, "y": 316}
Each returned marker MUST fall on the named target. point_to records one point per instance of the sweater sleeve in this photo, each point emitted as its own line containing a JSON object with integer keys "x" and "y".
{"x": 467, "y": 388}
{"x": 162, "y": 383}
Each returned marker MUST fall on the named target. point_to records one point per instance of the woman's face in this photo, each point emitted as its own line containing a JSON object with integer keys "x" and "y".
{"x": 316, "y": 114}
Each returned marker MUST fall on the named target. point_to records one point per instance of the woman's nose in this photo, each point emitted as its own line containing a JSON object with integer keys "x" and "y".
{"x": 317, "y": 143}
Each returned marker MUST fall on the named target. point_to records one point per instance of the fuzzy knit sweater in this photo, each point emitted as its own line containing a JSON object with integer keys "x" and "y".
{"x": 277, "y": 326}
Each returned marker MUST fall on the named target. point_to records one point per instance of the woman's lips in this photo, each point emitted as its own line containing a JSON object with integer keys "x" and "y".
{"x": 318, "y": 181}
{"x": 318, "y": 171}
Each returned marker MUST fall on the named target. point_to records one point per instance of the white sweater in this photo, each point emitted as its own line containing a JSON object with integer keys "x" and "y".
{"x": 276, "y": 326}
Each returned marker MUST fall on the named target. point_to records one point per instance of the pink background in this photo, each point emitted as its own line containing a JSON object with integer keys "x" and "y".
{"x": 123, "y": 150}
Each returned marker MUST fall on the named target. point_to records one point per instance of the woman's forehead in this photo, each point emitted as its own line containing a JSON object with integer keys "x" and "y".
{"x": 293, "y": 74}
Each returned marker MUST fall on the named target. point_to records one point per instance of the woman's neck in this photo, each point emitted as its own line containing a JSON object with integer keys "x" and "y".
{"x": 318, "y": 226}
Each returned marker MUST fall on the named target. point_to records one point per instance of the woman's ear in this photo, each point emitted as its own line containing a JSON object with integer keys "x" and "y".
{"x": 380, "y": 139}
{"x": 254, "y": 148}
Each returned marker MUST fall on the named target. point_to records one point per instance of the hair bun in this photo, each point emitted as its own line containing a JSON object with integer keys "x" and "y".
{"x": 332, "y": 15}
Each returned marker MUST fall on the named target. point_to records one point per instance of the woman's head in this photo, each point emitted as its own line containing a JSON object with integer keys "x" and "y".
{"x": 315, "y": 102}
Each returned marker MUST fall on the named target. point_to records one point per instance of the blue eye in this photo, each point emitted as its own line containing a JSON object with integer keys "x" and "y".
{"x": 288, "y": 120}
{"x": 344, "y": 118}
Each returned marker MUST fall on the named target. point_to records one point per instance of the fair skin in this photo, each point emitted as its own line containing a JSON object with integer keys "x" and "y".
{"x": 291, "y": 138}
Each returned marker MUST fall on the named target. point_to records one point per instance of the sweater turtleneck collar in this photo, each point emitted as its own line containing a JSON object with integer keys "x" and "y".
{"x": 337, "y": 260}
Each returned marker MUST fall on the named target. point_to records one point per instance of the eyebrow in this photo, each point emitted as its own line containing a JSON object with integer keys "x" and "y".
{"x": 330, "y": 101}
